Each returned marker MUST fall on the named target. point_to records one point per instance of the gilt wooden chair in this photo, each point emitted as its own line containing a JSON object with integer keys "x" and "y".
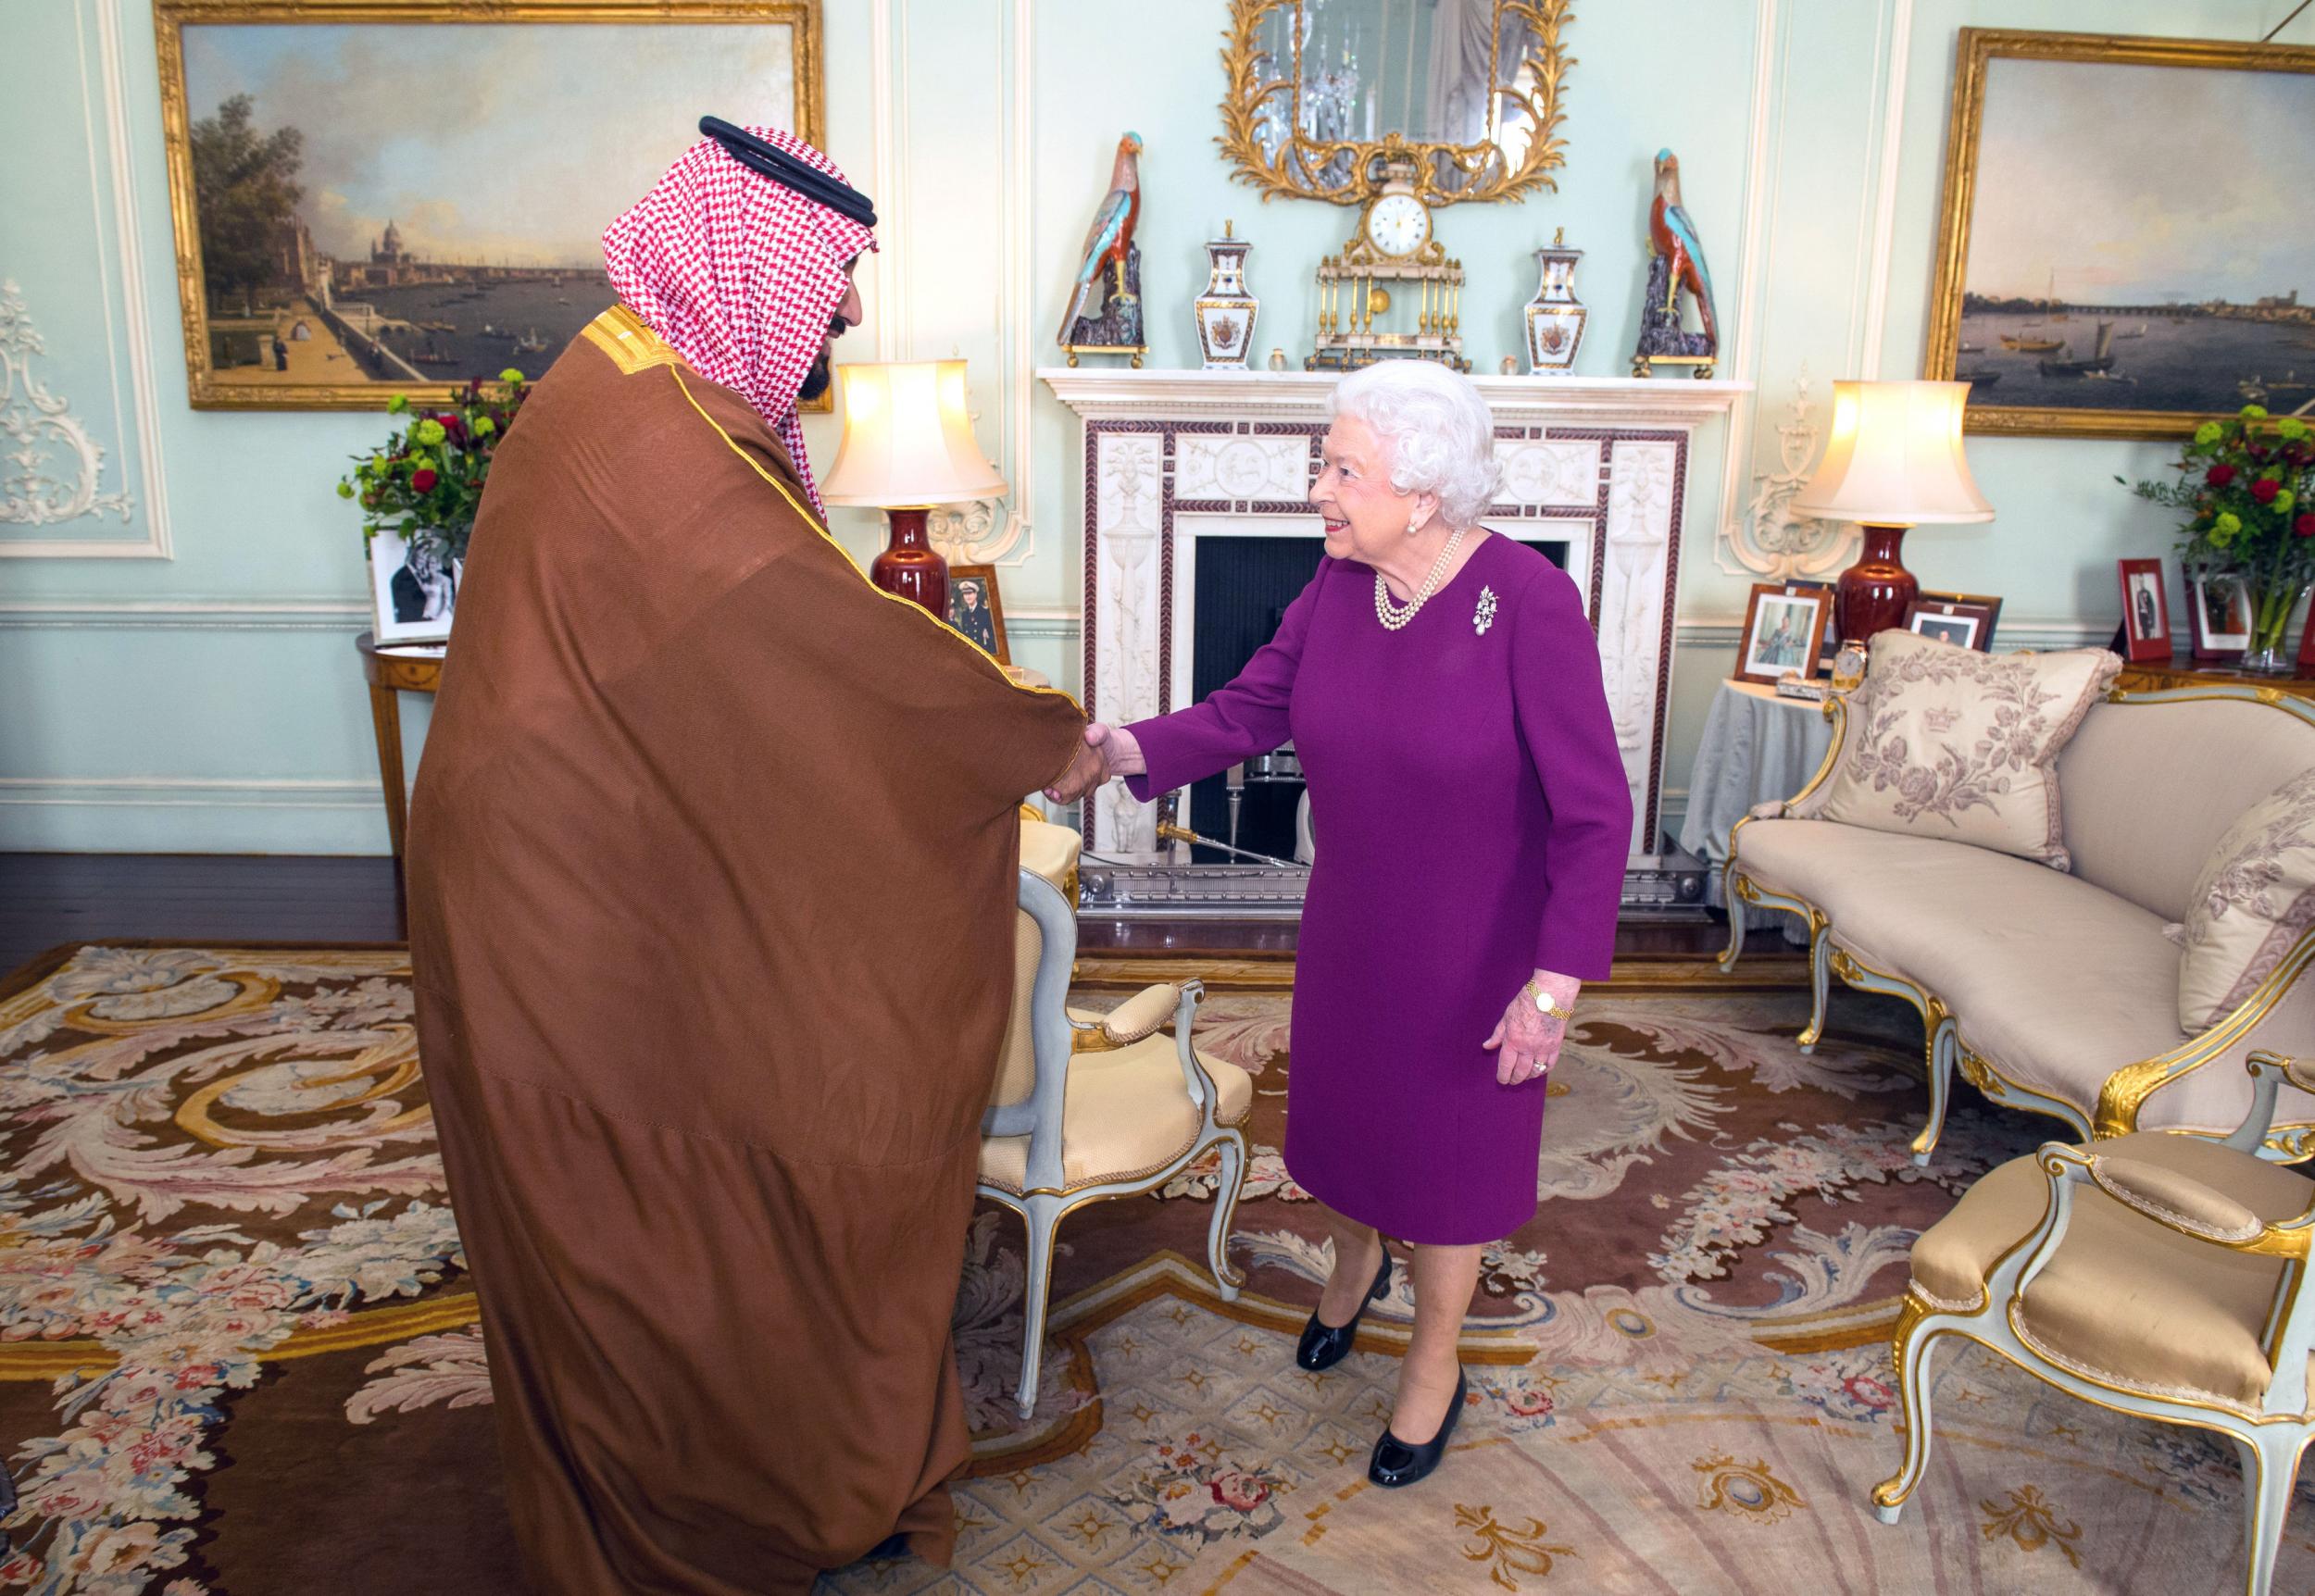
{"x": 2155, "y": 1273}
{"x": 1093, "y": 1106}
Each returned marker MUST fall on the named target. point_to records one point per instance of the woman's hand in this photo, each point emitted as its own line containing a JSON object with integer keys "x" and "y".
{"x": 1109, "y": 752}
{"x": 1526, "y": 1039}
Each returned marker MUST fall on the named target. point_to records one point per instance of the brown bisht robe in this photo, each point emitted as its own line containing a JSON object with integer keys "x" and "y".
{"x": 711, "y": 870}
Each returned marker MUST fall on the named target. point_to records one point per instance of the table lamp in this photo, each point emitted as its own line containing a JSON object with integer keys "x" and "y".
{"x": 1894, "y": 461}
{"x": 908, "y": 446}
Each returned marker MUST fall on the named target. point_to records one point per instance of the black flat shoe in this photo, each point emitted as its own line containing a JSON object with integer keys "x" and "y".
{"x": 1398, "y": 1462}
{"x": 884, "y": 1550}
{"x": 1323, "y": 1346}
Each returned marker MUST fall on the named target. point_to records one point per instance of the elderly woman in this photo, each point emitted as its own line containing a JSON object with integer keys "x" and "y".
{"x": 1442, "y": 687}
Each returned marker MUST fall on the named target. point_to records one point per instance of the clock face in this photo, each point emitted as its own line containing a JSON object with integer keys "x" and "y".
{"x": 1398, "y": 224}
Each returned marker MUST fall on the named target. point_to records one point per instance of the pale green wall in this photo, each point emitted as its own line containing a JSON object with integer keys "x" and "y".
{"x": 210, "y": 701}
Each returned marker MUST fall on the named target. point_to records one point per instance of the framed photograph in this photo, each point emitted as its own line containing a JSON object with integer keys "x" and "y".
{"x": 1966, "y": 619}
{"x": 373, "y": 199}
{"x": 2220, "y": 625}
{"x": 1831, "y": 645}
{"x": 413, "y": 588}
{"x": 2080, "y": 283}
{"x": 975, "y": 609}
{"x": 1785, "y": 628}
{"x": 2145, "y": 611}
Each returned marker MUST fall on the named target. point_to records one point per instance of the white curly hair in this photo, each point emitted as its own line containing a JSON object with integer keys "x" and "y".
{"x": 1440, "y": 433}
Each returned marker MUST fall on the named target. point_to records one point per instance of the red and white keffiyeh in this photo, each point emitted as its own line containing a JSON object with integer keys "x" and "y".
{"x": 740, "y": 274}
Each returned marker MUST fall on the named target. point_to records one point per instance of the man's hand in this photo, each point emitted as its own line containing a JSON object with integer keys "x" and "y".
{"x": 1526, "y": 1039}
{"x": 1109, "y": 752}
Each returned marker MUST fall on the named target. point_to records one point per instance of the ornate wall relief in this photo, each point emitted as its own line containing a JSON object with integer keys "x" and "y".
{"x": 51, "y": 470}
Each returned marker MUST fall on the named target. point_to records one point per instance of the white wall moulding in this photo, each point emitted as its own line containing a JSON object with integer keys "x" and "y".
{"x": 153, "y": 814}
{"x": 52, "y": 469}
{"x": 39, "y": 431}
{"x": 1771, "y": 541}
{"x": 1173, "y": 456}
{"x": 185, "y": 615}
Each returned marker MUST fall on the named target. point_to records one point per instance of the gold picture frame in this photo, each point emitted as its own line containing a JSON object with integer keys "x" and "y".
{"x": 1978, "y": 52}
{"x": 1534, "y": 84}
{"x": 220, "y": 351}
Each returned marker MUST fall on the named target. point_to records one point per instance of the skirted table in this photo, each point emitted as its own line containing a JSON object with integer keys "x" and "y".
{"x": 1757, "y": 747}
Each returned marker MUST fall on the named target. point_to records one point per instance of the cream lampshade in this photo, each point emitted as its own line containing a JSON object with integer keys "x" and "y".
{"x": 1894, "y": 461}
{"x": 907, "y": 445}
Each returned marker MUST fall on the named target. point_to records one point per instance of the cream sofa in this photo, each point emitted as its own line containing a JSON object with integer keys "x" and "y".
{"x": 2054, "y": 991}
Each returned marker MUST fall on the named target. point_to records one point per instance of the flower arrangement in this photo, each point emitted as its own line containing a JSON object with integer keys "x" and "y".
{"x": 2248, "y": 483}
{"x": 428, "y": 479}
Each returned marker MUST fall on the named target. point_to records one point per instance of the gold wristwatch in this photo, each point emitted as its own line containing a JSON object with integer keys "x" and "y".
{"x": 1544, "y": 1003}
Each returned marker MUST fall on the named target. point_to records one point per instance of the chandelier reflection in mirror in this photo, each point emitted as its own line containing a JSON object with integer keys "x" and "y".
{"x": 1324, "y": 94}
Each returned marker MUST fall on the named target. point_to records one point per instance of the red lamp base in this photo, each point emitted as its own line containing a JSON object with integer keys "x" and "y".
{"x": 1874, "y": 593}
{"x": 910, "y": 566}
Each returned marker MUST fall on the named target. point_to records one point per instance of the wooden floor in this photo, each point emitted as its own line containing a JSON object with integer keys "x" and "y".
{"x": 50, "y": 898}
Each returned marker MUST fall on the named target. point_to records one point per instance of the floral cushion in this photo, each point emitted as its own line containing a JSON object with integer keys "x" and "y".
{"x": 1946, "y": 742}
{"x": 2255, "y": 898}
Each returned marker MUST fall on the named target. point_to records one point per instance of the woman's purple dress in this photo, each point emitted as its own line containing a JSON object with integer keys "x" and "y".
{"x": 1473, "y": 824}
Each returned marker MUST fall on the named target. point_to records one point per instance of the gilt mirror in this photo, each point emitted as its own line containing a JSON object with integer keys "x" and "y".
{"x": 1323, "y": 93}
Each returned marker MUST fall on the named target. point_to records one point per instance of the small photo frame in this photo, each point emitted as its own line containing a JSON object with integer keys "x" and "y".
{"x": 1964, "y": 619}
{"x": 1831, "y": 645}
{"x": 2145, "y": 611}
{"x": 1785, "y": 628}
{"x": 413, "y": 587}
{"x": 975, "y": 609}
{"x": 2222, "y": 618}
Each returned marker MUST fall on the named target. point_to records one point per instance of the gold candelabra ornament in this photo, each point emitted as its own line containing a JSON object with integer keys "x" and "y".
{"x": 1356, "y": 324}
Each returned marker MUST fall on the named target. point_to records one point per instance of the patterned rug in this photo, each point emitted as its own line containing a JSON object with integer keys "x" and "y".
{"x": 239, "y": 1355}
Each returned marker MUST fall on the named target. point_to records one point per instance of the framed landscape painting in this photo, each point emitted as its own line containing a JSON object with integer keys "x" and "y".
{"x": 375, "y": 198}
{"x": 2125, "y": 251}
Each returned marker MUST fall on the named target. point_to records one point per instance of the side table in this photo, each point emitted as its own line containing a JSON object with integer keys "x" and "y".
{"x": 1757, "y": 746}
{"x": 2183, "y": 670}
{"x": 390, "y": 673}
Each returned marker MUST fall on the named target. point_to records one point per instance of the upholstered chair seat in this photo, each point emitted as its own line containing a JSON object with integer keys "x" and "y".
{"x": 2123, "y": 1301}
{"x": 2155, "y": 1273}
{"x": 1126, "y": 1115}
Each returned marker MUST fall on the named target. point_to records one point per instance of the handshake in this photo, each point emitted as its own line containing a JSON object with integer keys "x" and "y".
{"x": 1109, "y": 752}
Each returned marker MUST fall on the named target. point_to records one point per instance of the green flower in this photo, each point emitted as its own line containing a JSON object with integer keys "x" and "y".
{"x": 2207, "y": 433}
{"x": 2229, "y": 524}
{"x": 485, "y": 426}
{"x": 2254, "y": 412}
{"x": 429, "y": 431}
{"x": 514, "y": 374}
{"x": 2283, "y": 500}
{"x": 395, "y": 406}
{"x": 2291, "y": 428}
{"x": 346, "y": 489}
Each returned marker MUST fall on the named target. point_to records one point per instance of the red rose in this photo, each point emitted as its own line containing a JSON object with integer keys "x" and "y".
{"x": 2219, "y": 475}
{"x": 2265, "y": 489}
{"x": 423, "y": 479}
{"x": 2304, "y": 525}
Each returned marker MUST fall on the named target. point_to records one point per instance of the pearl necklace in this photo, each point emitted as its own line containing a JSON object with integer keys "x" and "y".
{"x": 1394, "y": 619}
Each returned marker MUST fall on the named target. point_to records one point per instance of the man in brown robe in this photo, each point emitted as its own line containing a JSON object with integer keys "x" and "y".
{"x": 711, "y": 904}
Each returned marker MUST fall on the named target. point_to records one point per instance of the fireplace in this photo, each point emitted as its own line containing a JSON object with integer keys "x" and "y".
{"x": 1194, "y": 487}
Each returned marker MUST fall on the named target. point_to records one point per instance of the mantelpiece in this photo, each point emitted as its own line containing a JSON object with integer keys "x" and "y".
{"x": 1174, "y": 457}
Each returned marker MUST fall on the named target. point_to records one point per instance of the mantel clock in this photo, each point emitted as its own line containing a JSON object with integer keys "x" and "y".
{"x": 1392, "y": 292}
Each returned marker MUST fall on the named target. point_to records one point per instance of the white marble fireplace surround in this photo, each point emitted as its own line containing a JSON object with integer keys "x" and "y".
{"x": 1171, "y": 457}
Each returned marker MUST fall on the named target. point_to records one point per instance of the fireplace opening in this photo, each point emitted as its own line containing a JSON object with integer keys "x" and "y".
{"x": 1243, "y": 586}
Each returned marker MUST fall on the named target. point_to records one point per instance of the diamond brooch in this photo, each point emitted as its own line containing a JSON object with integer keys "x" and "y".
{"x": 1484, "y": 617}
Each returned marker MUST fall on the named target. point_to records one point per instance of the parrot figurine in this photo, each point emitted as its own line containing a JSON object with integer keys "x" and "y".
{"x": 1107, "y": 240}
{"x": 1673, "y": 236}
